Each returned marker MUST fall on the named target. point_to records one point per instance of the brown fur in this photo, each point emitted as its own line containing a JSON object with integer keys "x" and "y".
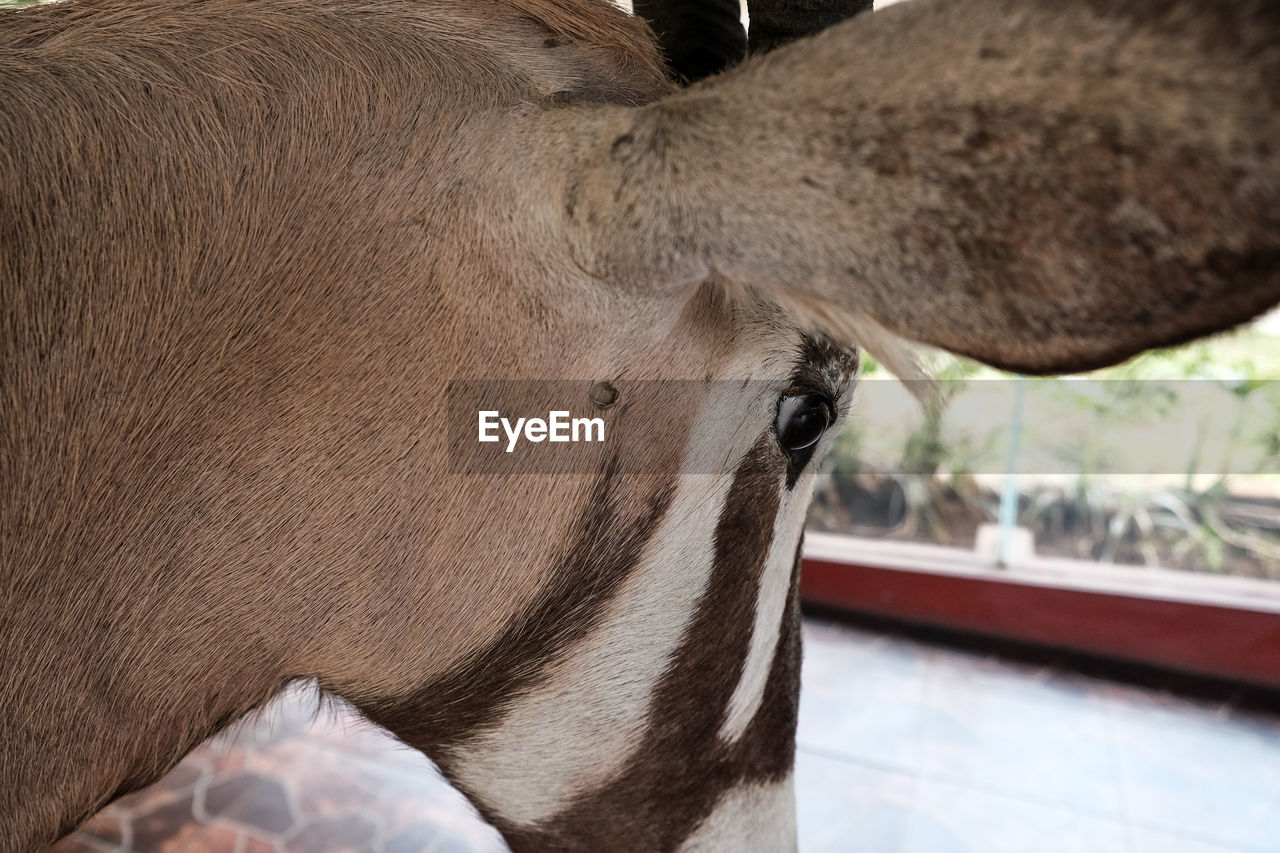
{"x": 287, "y": 193}
{"x": 681, "y": 768}
{"x": 1077, "y": 181}
{"x": 601, "y": 550}
{"x": 246, "y": 246}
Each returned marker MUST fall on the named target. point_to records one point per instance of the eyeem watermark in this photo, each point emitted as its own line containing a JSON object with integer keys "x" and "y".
{"x": 558, "y": 426}
{"x": 1168, "y": 428}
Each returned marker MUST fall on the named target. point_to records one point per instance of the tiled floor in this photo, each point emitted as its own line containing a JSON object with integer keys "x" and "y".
{"x": 904, "y": 748}
{"x": 912, "y": 748}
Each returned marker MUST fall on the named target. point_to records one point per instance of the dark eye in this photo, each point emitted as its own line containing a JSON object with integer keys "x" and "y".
{"x": 802, "y": 420}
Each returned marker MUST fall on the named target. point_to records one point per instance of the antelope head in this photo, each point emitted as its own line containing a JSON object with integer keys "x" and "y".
{"x": 249, "y": 249}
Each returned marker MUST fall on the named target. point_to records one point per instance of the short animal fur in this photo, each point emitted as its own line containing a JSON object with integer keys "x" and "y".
{"x": 245, "y": 246}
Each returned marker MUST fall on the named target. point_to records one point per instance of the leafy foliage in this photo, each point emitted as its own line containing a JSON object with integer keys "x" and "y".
{"x": 1221, "y": 513}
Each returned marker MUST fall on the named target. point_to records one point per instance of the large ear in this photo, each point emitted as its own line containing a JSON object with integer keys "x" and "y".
{"x": 1043, "y": 185}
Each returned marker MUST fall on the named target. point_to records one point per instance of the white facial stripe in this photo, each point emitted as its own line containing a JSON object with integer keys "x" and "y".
{"x": 582, "y": 726}
{"x": 751, "y": 817}
{"x": 775, "y": 582}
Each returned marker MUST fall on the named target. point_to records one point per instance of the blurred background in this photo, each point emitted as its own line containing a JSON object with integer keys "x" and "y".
{"x": 1171, "y": 460}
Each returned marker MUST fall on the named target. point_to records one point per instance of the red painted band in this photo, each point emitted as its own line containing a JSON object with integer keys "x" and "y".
{"x": 1205, "y": 639}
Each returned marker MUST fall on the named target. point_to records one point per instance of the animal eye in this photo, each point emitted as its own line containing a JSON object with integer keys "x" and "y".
{"x": 802, "y": 420}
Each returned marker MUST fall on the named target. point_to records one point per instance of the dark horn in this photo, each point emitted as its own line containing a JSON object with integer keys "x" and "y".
{"x": 776, "y": 22}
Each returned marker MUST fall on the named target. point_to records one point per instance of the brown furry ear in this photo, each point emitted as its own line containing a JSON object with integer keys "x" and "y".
{"x": 1043, "y": 185}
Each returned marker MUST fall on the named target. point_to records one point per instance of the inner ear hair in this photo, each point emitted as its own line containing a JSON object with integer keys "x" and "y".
{"x": 896, "y": 354}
